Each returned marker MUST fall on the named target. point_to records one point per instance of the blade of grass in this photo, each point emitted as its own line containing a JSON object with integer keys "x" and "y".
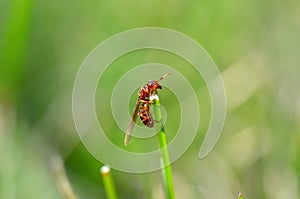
{"x": 108, "y": 183}
{"x": 164, "y": 154}
{"x": 13, "y": 42}
{"x": 63, "y": 184}
{"x": 240, "y": 196}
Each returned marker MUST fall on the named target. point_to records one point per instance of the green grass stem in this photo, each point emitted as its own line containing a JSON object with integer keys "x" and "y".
{"x": 14, "y": 41}
{"x": 108, "y": 183}
{"x": 164, "y": 154}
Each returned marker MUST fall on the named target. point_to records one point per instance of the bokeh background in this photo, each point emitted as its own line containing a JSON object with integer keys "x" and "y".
{"x": 255, "y": 44}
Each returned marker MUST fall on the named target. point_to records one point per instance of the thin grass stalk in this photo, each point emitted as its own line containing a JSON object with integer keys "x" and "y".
{"x": 240, "y": 196}
{"x": 164, "y": 154}
{"x": 108, "y": 183}
{"x": 62, "y": 182}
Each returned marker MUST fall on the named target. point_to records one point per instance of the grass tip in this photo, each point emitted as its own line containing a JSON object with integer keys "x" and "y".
{"x": 240, "y": 195}
{"x": 105, "y": 169}
{"x": 154, "y": 97}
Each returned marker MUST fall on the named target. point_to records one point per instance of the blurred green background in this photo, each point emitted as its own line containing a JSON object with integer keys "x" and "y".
{"x": 255, "y": 44}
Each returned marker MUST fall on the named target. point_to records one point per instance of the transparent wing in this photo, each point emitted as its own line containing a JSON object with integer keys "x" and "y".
{"x": 131, "y": 123}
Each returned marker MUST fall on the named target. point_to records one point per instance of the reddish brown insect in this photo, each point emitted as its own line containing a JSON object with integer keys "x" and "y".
{"x": 142, "y": 106}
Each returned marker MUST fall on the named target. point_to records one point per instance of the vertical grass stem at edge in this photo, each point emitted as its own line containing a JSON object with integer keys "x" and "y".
{"x": 164, "y": 154}
{"x": 108, "y": 183}
{"x": 60, "y": 175}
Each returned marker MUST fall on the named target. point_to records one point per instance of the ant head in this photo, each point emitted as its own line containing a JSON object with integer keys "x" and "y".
{"x": 153, "y": 85}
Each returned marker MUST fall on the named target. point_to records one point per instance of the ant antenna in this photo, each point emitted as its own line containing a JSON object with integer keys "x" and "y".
{"x": 165, "y": 75}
